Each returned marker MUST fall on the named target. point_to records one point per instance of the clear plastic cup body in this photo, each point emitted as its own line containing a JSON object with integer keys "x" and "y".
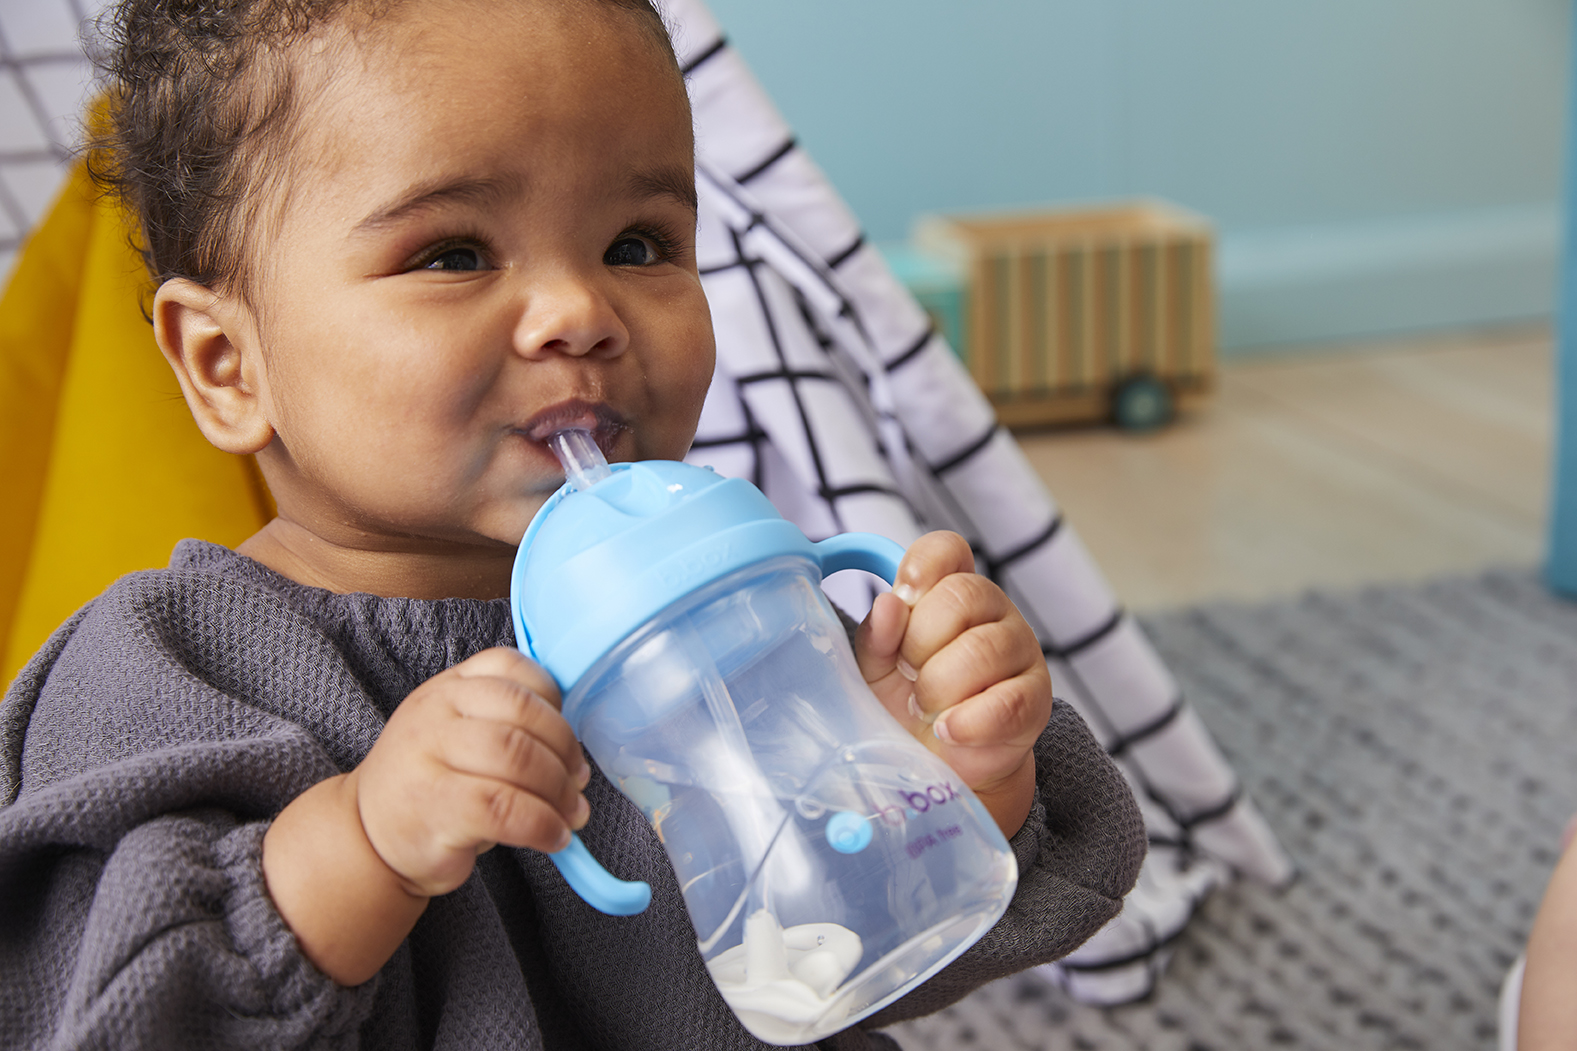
{"x": 828, "y": 860}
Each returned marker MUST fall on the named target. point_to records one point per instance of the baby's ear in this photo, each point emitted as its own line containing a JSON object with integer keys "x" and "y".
{"x": 210, "y": 343}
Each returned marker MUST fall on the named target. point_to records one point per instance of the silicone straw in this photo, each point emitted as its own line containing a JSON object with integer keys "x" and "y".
{"x": 584, "y": 464}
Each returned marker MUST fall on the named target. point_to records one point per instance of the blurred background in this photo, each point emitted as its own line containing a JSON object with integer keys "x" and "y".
{"x": 1384, "y": 182}
{"x": 1370, "y": 167}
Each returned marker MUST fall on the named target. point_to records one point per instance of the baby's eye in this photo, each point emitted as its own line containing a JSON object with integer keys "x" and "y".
{"x": 632, "y": 251}
{"x": 459, "y": 258}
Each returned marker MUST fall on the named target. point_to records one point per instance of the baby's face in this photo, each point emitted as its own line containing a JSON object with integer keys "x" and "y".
{"x": 487, "y": 235}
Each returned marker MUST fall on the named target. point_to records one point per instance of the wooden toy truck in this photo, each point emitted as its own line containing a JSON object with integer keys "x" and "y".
{"x": 1106, "y": 313}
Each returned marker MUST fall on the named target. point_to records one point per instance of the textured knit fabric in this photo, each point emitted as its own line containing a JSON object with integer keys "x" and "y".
{"x": 144, "y": 750}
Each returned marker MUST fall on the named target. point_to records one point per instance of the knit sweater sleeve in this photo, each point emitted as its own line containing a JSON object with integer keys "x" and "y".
{"x": 1078, "y": 853}
{"x": 143, "y": 753}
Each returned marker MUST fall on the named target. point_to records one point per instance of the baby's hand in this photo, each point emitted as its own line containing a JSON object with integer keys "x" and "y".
{"x": 475, "y": 756}
{"x": 953, "y": 660}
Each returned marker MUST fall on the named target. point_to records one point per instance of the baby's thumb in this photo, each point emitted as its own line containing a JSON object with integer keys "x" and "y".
{"x": 879, "y": 636}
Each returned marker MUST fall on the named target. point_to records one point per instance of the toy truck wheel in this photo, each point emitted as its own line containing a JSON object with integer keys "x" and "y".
{"x": 1142, "y": 403}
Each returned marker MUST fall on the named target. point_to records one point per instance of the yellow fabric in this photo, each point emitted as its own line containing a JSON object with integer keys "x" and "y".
{"x": 101, "y": 468}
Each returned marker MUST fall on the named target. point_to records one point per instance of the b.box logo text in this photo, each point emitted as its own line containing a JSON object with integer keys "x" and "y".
{"x": 934, "y": 795}
{"x": 920, "y": 802}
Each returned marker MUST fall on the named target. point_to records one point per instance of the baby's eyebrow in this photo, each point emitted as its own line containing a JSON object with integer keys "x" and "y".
{"x": 675, "y": 183}
{"x": 479, "y": 192}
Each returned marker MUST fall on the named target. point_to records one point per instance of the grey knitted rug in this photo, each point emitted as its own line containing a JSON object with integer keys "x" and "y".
{"x": 1413, "y": 746}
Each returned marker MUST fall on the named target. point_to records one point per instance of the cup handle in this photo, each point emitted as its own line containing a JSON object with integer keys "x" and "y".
{"x": 867, "y": 551}
{"x": 596, "y": 885}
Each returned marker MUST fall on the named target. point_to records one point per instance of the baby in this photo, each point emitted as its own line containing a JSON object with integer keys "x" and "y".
{"x": 253, "y": 799}
{"x": 1537, "y": 1009}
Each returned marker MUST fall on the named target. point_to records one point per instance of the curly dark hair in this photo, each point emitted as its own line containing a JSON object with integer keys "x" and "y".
{"x": 202, "y": 105}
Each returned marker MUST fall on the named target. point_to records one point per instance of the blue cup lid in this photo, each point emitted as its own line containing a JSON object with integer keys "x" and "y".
{"x": 597, "y": 565}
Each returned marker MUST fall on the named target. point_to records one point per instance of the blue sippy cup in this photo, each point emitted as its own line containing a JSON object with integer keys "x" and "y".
{"x": 829, "y": 862}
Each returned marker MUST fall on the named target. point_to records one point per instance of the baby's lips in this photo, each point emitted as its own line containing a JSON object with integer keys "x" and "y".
{"x": 597, "y": 418}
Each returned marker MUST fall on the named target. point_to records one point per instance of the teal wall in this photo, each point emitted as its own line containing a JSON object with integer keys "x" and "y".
{"x": 1560, "y": 570}
{"x": 1372, "y": 165}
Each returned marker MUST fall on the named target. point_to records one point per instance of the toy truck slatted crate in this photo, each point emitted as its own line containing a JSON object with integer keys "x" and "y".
{"x": 1079, "y": 316}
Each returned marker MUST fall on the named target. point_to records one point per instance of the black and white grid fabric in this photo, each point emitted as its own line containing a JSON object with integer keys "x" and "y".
{"x": 837, "y": 396}
{"x": 44, "y": 80}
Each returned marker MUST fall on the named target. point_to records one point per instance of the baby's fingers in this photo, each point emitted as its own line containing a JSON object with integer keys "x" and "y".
{"x": 481, "y": 811}
{"x": 507, "y": 703}
{"x": 953, "y": 606}
{"x": 502, "y": 662}
{"x": 974, "y": 659}
{"x": 1011, "y": 712}
{"x": 928, "y": 561}
{"x": 503, "y": 752}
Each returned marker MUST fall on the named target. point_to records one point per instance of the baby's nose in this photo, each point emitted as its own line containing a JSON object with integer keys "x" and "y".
{"x": 570, "y": 315}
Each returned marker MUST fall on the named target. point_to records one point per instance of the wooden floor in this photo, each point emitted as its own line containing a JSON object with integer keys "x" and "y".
{"x": 1331, "y": 468}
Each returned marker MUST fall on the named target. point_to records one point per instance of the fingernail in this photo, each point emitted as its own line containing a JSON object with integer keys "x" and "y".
{"x": 907, "y": 670}
{"x": 943, "y": 734}
{"x": 583, "y": 775}
{"x": 582, "y": 813}
{"x": 908, "y": 594}
{"x": 564, "y": 840}
{"x": 919, "y": 712}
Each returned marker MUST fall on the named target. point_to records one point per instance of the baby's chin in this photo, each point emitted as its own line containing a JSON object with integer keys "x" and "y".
{"x": 497, "y": 532}
{"x": 508, "y": 526}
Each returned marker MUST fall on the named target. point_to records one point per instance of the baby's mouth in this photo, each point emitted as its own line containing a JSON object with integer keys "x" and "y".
{"x": 604, "y": 424}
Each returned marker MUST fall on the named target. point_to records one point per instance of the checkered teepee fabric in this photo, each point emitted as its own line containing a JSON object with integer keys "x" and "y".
{"x": 837, "y": 396}
{"x": 44, "y": 80}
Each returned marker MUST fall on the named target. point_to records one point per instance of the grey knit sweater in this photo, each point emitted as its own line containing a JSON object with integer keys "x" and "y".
{"x": 144, "y": 750}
